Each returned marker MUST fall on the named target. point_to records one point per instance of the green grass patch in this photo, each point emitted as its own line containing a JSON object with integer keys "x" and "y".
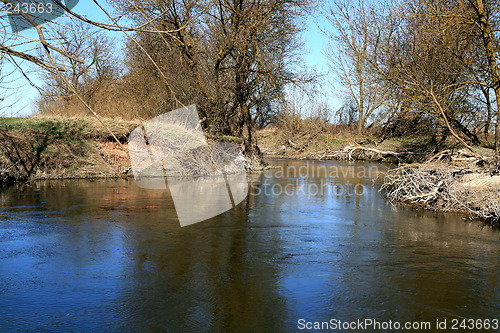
{"x": 413, "y": 141}
{"x": 227, "y": 138}
{"x": 71, "y": 129}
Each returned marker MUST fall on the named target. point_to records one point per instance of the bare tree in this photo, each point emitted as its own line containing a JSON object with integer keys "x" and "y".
{"x": 434, "y": 61}
{"x": 98, "y": 68}
{"x": 55, "y": 56}
{"x": 239, "y": 53}
{"x": 355, "y": 46}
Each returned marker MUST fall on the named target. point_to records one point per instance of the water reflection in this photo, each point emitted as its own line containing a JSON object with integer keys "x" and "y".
{"x": 109, "y": 256}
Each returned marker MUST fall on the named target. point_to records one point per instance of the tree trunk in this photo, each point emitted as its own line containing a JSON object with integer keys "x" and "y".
{"x": 497, "y": 125}
{"x": 486, "y": 131}
{"x": 488, "y": 36}
{"x": 447, "y": 123}
{"x": 252, "y": 150}
{"x": 360, "y": 126}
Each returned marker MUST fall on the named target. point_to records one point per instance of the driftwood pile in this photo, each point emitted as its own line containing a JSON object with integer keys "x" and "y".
{"x": 457, "y": 186}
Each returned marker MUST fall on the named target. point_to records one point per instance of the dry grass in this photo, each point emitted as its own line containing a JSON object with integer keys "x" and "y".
{"x": 326, "y": 141}
{"x": 88, "y": 127}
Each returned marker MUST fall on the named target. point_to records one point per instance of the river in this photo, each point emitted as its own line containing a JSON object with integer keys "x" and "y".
{"x": 312, "y": 242}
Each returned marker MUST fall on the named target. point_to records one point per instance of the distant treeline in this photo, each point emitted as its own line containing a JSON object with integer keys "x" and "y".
{"x": 407, "y": 66}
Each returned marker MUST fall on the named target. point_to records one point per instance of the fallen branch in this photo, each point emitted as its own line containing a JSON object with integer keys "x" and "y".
{"x": 384, "y": 153}
{"x": 439, "y": 155}
{"x": 350, "y": 150}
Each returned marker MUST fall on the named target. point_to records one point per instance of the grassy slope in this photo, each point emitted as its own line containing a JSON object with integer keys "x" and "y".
{"x": 71, "y": 128}
{"x": 42, "y": 147}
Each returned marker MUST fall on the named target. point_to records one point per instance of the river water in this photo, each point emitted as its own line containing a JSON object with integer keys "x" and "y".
{"x": 312, "y": 242}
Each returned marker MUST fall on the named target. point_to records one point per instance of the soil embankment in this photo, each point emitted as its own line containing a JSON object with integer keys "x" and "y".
{"x": 61, "y": 148}
{"x": 48, "y": 148}
{"x": 322, "y": 145}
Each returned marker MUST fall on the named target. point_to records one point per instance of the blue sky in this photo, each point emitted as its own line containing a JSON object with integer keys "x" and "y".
{"x": 315, "y": 46}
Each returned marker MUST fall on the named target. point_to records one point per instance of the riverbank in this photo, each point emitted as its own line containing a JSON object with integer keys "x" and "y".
{"x": 471, "y": 186}
{"x": 345, "y": 145}
{"x": 63, "y": 148}
{"x": 452, "y": 180}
